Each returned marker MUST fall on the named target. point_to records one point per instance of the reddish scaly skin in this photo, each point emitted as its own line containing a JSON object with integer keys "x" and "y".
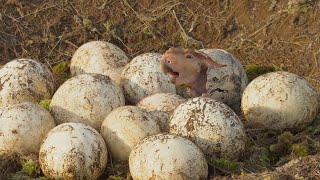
{"x": 188, "y": 67}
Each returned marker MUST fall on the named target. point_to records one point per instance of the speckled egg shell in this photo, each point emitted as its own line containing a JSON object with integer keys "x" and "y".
{"x": 124, "y": 127}
{"x": 99, "y": 57}
{"x": 279, "y": 100}
{"x": 211, "y": 125}
{"x": 226, "y": 84}
{"x": 142, "y": 77}
{"x": 167, "y": 156}
{"x": 24, "y": 80}
{"x": 23, "y": 127}
{"x": 86, "y": 98}
{"x": 162, "y": 106}
{"x": 73, "y": 151}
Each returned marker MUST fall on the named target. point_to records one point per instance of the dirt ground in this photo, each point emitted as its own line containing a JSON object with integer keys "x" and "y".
{"x": 273, "y": 33}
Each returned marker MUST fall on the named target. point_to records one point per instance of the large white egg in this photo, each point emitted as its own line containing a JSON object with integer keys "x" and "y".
{"x": 23, "y": 127}
{"x": 226, "y": 84}
{"x": 279, "y": 100}
{"x": 142, "y": 77}
{"x": 23, "y": 80}
{"x": 86, "y": 98}
{"x": 73, "y": 151}
{"x": 211, "y": 125}
{"x": 162, "y": 106}
{"x": 99, "y": 57}
{"x": 167, "y": 156}
{"x": 124, "y": 127}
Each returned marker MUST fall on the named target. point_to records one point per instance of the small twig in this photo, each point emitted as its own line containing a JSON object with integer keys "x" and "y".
{"x": 283, "y": 21}
{"x": 166, "y": 8}
{"x": 266, "y": 25}
{"x": 215, "y": 167}
{"x": 103, "y": 5}
{"x": 142, "y": 18}
{"x": 43, "y": 9}
{"x": 14, "y": 19}
{"x": 7, "y": 34}
{"x": 191, "y": 27}
{"x": 252, "y": 140}
{"x": 257, "y": 31}
{"x": 257, "y": 129}
{"x": 52, "y": 49}
{"x": 312, "y": 79}
{"x": 70, "y": 43}
{"x": 315, "y": 57}
{"x": 60, "y": 38}
{"x": 232, "y": 11}
{"x": 185, "y": 36}
{"x": 175, "y": 16}
{"x": 287, "y": 42}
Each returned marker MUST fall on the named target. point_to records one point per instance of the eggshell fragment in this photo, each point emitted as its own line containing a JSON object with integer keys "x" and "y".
{"x": 226, "y": 84}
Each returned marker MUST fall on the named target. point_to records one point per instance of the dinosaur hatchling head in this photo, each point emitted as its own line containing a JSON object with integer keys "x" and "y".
{"x": 186, "y": 66}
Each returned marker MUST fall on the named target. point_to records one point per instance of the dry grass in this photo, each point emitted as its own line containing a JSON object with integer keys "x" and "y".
{"x": 264, "y": 33}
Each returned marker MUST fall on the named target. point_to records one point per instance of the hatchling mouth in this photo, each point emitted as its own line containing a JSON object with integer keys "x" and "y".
{"x": 174, "y": 74}
{"x": 167, "y": 69}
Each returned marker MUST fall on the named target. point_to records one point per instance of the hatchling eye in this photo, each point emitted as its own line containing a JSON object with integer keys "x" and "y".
{"x": 188, "y": 56}
{"x": 168, "y": 61}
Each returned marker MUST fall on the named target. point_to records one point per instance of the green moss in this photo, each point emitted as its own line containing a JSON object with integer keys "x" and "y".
{"x": 86, "y": 22}
{"x": 299, "y": 150}
{"x": 314, "y": 128}
{"x": 276, "y": 68}
{"x": 114, "y": 30}
{"x": 282, "y": 147}
{"x": 272, "y": 154}
{"x": 294, "y": 8}
{"x": 60, "y": 67}
{"x": 285, "y": 139}
{"x": 107, "y": 25}
{"x": 19, "y": 168}
{"x": 147, "y": 30}
{"x": 254, "y": 70}
{"x": 61, "y": 72}
{"x": 115, "y": 178}
{"x": 264, "y": 157}
{"x": 30, "y": 167}
{"x": 45, "y": 103}
{"x": 223, "y": 164}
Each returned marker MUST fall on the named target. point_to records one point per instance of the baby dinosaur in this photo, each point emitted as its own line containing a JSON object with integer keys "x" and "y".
{"x": 188, "y": 67}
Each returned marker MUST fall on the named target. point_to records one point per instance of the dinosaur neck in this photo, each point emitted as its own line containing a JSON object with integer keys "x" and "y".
{"x": 199, "y": 86}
